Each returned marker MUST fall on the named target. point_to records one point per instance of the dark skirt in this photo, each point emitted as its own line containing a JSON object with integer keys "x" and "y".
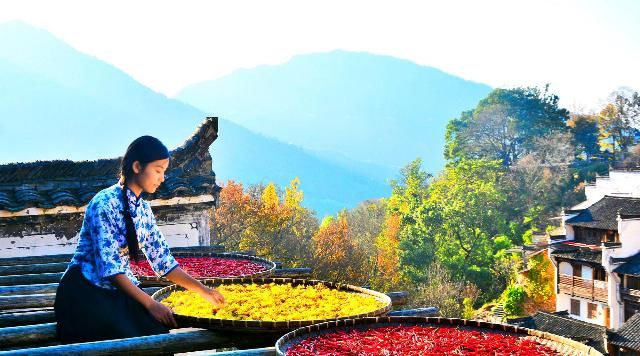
{"x": 85, "y": 312}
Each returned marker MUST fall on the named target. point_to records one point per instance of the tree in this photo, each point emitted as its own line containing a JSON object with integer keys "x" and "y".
{"x": 366, "y": 223}
{"x": 407, "y": 201}
{"x": 387, "y": 256}
{"x": 539, "y": 283}
{"x": 585, "y": 132}
{"x": 336, "y": 255}
{"x": 632, "y": 159}
{"x": 464, "y": 215}
{"x": 263, "y": 219}
{"x": 503, "y": 125}
{"x": 619, "y": 121}
{"x": 236, "y": 214}
{"x": 443, "y": 290}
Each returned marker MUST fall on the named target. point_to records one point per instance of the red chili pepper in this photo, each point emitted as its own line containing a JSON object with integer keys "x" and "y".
{"x": 205, "y": 267}
{"x": 419, "y": 340}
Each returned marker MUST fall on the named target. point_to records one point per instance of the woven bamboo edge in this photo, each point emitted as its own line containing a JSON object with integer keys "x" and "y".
{"x": 267, "y": 325}
{"x": 269, "y": 266}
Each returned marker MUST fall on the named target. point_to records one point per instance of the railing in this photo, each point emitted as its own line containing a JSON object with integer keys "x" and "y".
{"x": 582, "y": 287}
{"x": 631, "y": 294}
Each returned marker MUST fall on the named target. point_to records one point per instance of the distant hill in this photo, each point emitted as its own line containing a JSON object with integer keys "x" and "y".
{"x": 368, "y": 112}
{"x": 58, "y": 103}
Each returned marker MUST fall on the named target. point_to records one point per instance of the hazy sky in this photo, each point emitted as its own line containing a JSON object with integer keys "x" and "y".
{"x": 585, "y": 49}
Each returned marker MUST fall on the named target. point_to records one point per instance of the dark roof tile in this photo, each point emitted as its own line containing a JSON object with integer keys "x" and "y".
{"x": 604, "y": 213}
{"x": 558, "y": 323}
{"x": 47, "y": 184}
{"x": 628, "y": 336}
{"x": 576, "y": 253}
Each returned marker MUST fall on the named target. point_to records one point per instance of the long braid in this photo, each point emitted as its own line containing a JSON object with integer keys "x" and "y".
{"x": 144, "y": 149}
{"x": 132, "y": 236}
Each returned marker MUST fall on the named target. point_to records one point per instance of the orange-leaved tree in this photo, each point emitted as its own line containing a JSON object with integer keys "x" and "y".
{"x": 336, "y": 254}
{"x": 235, "y": 215}
{"x": 388, "y": 262}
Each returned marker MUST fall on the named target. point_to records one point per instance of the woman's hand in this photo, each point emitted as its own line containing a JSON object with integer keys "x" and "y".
{"x": 181, "y": 278}
{"x": 162, "y": 313}
{"x": 213, "y": 296}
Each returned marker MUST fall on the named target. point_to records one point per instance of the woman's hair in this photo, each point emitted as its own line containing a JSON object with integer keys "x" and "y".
{"x": 144, "y": 149}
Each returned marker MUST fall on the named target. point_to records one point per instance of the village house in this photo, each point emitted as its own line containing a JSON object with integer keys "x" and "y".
{"x": 596, "y": 258}
{"x": 42, "y": 203}
{"x": 597, "y": 269}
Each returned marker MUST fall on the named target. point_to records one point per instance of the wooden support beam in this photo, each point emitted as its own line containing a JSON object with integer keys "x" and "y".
{"x": 27, "y": 301}
{"x": 398, "y": 298}
{"x": 30, "y": 279}
{"x": 29, "y": 260}
{"x": 28, "y": 289}
{"x": 39, "y": 300}
{"x": 33, "y": 268}
{"x": 181, "y": 340}
{"x": 27, "y": 318}
{"x": 27, "y": 335}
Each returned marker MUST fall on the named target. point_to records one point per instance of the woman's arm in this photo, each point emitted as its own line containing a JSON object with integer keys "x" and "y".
{"x": 183, "y": 279}
{"x": 159, "y": 311}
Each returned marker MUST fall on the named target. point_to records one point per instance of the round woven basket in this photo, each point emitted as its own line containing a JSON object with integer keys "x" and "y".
{"x": 268, "y": 265}
{"x": 560, "y": 344}
{"x": 266, "y": 325}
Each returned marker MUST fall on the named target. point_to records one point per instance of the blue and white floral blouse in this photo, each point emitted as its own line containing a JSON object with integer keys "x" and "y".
{"x": 102, "y": 250}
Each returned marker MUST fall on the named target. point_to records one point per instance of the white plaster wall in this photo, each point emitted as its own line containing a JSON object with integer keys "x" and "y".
{"x": 566, "y": 268}
{"x": 625, "y": 182}
{"x": 563, "y": 302}
{"x": 617, "y": 307}
{"x": 587, "y": 272}
{"x": 570, "y": 234}
{"x": 592, "y": 193}
{"x": 192, "y": 231}
{"x": 181, "y": 235}
{"x": 618, "y": 183}
{"x": 629, "y": 231}
{"x": 36, "y": 245}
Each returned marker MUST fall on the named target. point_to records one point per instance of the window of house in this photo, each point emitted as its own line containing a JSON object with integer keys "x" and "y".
{"x": 575, "y": 307}
{"x": 592, "y": 310}
{"x": 630, "y": 309}
{"x": 633, "y": 282}
{"x": 599, "y": 274}
{"x": 577, "y": 270}
{"x": 588, "y": 236}
{"x": 611, "y": 236}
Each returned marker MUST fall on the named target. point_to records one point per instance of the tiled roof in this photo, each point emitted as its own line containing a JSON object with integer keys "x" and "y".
{"x": 628, "y": 336}
{"x": 604, "y": 213}
{"x": 47, "y": 184}
{"x": 572, "y": 252}
{"x": 630, "y": 265}
{"x": 560, "y": 324}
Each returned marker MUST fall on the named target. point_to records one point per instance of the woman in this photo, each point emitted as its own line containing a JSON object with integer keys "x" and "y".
{"x": 98, "y": 297}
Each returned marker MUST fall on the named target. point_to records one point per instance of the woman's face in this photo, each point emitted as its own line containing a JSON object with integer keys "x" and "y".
{"x": 150, "y": 178}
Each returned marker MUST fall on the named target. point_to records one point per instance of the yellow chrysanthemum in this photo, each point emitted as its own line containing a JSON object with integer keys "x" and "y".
{"x": 274, "y": 302}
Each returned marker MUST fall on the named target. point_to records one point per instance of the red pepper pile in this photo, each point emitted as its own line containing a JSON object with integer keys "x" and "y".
{"x": 205, "y": 267}
{"x": 418, "y": 340}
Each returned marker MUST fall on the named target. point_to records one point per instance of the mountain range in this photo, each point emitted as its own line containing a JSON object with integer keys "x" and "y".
{"x": 275, "y": 122}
